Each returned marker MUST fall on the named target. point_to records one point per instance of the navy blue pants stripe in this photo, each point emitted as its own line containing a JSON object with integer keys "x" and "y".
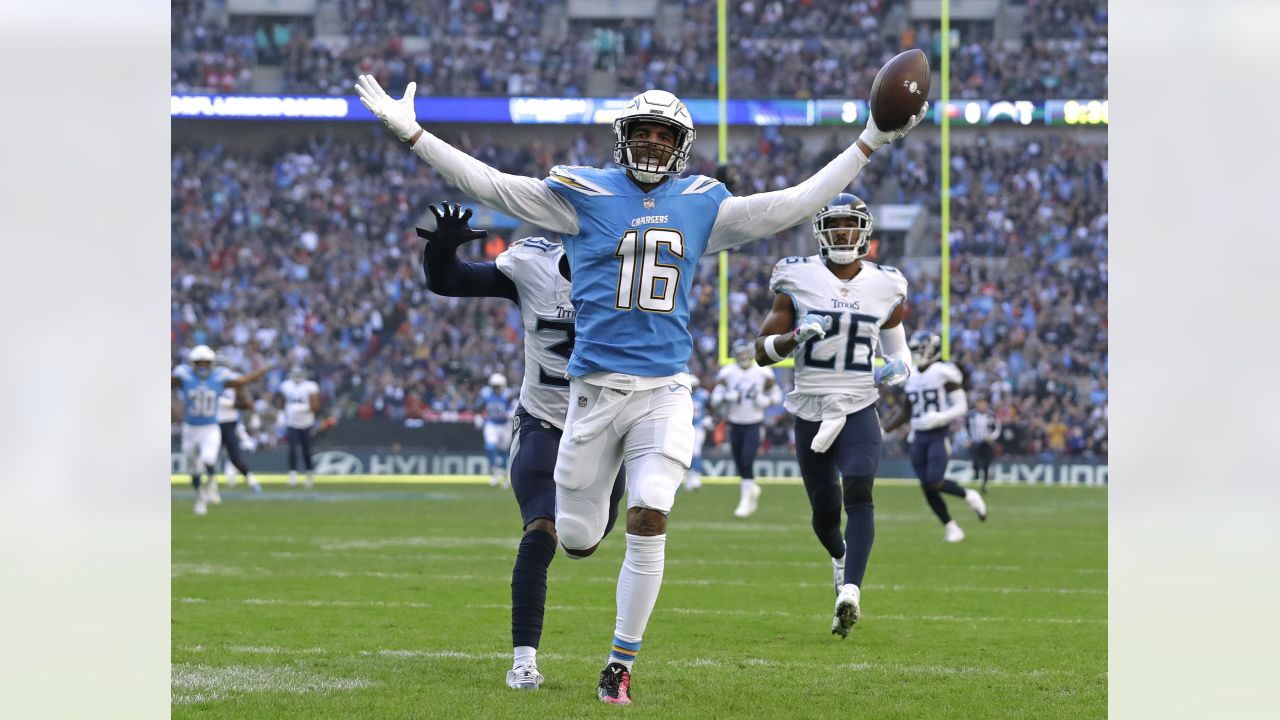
{"x": 231, "y": 443}
{"x": 744, "y": 440}
{"x": 299, "y": 441}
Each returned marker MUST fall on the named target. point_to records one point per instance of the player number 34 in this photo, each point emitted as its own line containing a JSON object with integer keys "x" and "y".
{"x": 658, "y": 281}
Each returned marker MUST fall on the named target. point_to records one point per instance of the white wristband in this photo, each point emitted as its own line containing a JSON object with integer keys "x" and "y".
{"x": 770, "y": 350}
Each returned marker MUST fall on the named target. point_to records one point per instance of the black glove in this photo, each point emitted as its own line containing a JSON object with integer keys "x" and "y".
{"x": 451, "y": 230}
{"x": 731, "y": 177}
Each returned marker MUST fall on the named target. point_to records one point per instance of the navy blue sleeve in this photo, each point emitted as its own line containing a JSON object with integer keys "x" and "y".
{"x": 451, "y": 277}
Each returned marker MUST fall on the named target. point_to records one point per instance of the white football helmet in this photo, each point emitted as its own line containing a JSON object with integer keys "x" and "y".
{"x": 498, "y": 380}
{"x": 657, "y": 106}
{"x": 843, "y": 245}
{"x": 202, "y": 354}
{"x": 744, "y": 353}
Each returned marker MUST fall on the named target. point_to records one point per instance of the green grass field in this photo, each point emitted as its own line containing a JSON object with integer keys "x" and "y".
{"x": 392, "y": 601}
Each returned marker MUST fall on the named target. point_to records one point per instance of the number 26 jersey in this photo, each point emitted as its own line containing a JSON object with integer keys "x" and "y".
{"x": 834, "y": 374}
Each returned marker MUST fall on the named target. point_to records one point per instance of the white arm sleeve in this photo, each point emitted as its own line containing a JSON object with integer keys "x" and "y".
{"x": 959, "y": 406}
{"x": 893, "y": 344}
{"x": 742, "y": 219}
{"x": 522, "y": 197}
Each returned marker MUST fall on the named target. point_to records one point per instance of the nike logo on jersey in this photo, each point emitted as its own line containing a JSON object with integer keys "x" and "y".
{"x": 855, "y": 305}
{"x": 673, "y": 388}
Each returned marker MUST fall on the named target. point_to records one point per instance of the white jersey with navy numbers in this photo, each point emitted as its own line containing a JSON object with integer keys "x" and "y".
{"x": 200, "y": 393}
{"x": 927, "y": 392}
{"x": 834, "y": 375}
{"x": 547, "y": 314}
{"x": 227, "y": 410}
{"x": 751, "y": 388}
{"x": 633, "y": 262}
{"x": 297, "y": 402}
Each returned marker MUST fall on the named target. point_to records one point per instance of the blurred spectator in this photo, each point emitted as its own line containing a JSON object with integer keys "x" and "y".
{"x": 808, "y": 49}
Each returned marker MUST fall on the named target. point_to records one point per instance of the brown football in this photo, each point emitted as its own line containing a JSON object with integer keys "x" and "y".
{"x": 900, "y": 88}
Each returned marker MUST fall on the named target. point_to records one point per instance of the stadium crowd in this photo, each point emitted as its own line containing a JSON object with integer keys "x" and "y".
{"x": 307, "y": 254}
{"x": 805, "y": 49}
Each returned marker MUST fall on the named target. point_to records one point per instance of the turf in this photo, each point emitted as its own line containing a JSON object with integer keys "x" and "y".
{"x": 391, "y": 601}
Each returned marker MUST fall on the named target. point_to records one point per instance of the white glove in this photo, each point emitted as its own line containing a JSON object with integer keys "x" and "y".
{"x": 812, "y": 326}
{"x": 763, "y": 400}
{"x": 895, "y": 372}
{"x": 399, "y": 115}
{"x": 731, "y": 396}
{"x": 933, "y": 419}
{"x": 875, "y": 138}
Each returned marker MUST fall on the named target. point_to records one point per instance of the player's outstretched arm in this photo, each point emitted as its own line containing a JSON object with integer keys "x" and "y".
{"x": 524, "y": 197}
{"x": 451, "y": 277}
{"x": 778, "y": 340}
{"x": 246, "y": 379}
{"x": 742, "y": 219}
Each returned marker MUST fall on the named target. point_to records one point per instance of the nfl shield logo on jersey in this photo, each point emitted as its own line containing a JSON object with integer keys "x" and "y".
{"x": 582, "y": 401}
{"x": 649, "y": 203}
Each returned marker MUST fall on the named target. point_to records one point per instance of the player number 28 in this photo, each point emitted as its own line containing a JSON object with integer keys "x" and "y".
{"x": 658, "y": 281}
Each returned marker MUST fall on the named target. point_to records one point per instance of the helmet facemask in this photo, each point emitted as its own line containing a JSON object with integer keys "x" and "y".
{"x": 925, "y": 348}
{"x": 648, "y": 160}
{"x": 843, "y": 233}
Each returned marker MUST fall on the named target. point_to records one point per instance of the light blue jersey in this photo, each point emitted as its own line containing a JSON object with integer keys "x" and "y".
{"x": 200, "y": 394}
{"x": 700, "y": 399}
{"x": 633, "y": 262}
{"x": 496, "y": 406}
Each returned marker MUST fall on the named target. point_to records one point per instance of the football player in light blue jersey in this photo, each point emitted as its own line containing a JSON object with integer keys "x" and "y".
{"x": 497, "y": 404}
{"x": 702, "y": 422}
{"x": 633, "y": 235}
{"x": 201, "y": 384}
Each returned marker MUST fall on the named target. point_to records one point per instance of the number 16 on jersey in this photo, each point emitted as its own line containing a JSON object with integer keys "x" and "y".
{"x": 658, "y": 281}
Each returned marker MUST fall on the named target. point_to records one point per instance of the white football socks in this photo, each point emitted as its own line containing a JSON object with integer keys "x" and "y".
{"x": 525, "y": 655}
{"x": 638, "y": 585}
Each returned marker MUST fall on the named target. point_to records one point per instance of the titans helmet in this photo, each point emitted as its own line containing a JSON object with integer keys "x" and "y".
{"x": 743, "y": 353}
{"x": 925, "y": 347}
{"x": 843, "y": 244}
{"x": 657, "y": 106}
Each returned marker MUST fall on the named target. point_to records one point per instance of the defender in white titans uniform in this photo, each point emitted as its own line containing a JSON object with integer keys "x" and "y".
{"x": 231, "y": 430}
{"x": 534, "y": 274}
{"x": 935, "y": 399}
{"x": 848, "y": 309}
{"x": 301, "y": 402}
{"x": 743, "y": 391}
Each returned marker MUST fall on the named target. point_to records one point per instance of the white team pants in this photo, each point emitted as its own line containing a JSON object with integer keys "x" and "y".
{"x": 200, "y": 444}
{"x": 497, "y": 435}
{"x": 650, "y": 430}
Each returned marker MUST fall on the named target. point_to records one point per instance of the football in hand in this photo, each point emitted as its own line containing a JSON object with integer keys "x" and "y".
{"x": 900, "y": 88}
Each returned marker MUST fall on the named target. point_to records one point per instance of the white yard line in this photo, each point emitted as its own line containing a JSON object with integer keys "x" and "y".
{"x": 657, "y": 659}
{"x": 193, "y": 684}
{"x": 714, "y": 612}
